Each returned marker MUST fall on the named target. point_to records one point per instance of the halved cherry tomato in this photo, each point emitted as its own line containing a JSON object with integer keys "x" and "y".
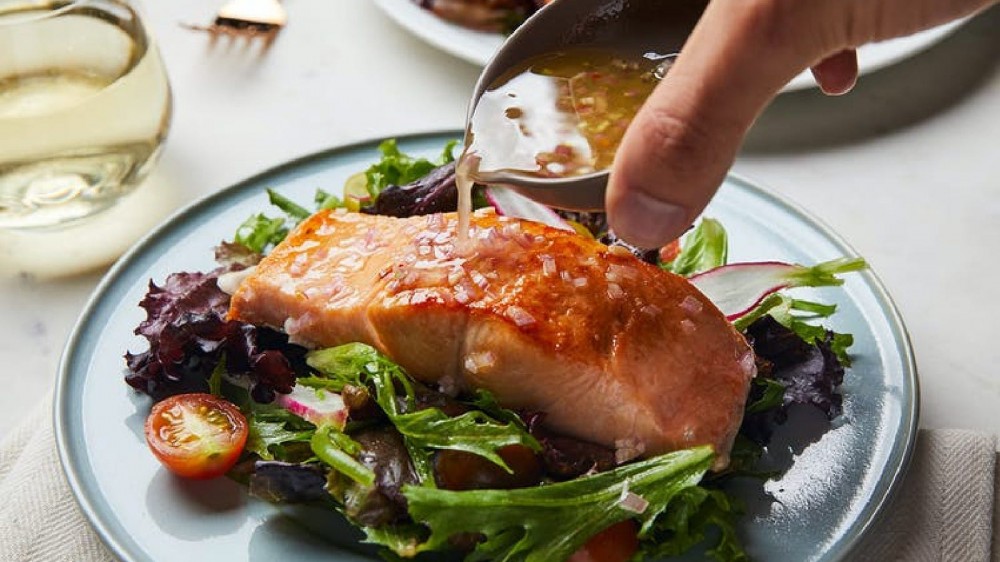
{"x": 617, "y": 543}
{"x": 196, "y": 435}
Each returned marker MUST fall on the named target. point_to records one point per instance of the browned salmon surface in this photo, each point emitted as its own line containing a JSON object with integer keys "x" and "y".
{"x": 611, "y": 349}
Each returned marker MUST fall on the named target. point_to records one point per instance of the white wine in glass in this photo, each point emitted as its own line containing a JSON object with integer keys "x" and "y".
{"x": 84, "y": 108}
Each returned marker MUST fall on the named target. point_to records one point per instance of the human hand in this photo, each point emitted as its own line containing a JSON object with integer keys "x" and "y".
{"x": 742, "y": 52}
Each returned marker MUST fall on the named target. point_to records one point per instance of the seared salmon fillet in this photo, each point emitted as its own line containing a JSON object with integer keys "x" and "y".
{"x": 611, "y": 349}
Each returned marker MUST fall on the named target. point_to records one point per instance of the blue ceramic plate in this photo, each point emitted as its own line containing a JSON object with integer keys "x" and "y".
{"x": 837, "y": 483}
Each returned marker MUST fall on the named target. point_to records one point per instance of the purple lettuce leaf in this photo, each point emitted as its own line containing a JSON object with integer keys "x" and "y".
{"x": 188, "y": 335}
{"x": 811, "y": 374}
{"x": 434, "y": 193}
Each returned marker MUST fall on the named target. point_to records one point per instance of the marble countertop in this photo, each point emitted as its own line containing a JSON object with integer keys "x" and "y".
{"x": 906, "y": 168}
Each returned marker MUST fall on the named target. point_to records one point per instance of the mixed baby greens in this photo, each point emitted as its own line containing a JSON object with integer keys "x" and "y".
{"x": 366, "y": 439}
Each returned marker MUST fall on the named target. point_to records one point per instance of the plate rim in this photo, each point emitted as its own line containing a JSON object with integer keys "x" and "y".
{"x": 902, "y": 448}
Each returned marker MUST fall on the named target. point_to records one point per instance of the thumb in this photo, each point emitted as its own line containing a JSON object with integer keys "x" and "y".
{"x": 682, "y": 142}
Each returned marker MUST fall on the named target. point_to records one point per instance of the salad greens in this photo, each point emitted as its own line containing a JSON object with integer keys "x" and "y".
{"x": 399, "y": 168}
{"x": 796, "y": 314}
{"x": 473, "y": 432}
{"x": 685, "y": 522}
{"x": 380, "y": 470}
{"x": 339, "y": 451}
{"x": 414, "y": 185}
{"x": 547, "y": 522}
{"x": 259, "y": 232}
{"x": 704, "y": 248}
{"x": 551, "y": 522}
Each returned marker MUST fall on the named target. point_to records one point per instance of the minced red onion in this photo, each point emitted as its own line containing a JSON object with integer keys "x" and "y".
{"x": 687, "y": 326}
{"x": 476, "y": 361}
{"x": 548, "y": 265}
{"x": 615, "y": 291}
{"x": 748, "y": 364}
{"x": 628, "y": 449}
{"x": 630, "y": 501}
{"x": 520, "y": 316}
{"x": 691, "y": 305}
{"x": 479, "y": 279}
{"x": 435, "y": 221}
{"x": 371, "y": 242}
{"x": 622, "y": 271}
{"x": 650, "y": 309}
{"x": 580, "y": 282}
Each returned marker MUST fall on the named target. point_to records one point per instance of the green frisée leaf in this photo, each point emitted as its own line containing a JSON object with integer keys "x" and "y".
{"x": 551, "y": 522}
{"x": 258, "y": 232}
{"x": 345, "y": 364}
{"x": 486, "y": 402}
{"x": 797, "y": 315}
{"x": 403, "y": 541}
{"x": 473, "y": 432}
{"x": 324, "y": 200}
{"x": 686, "y": 521}
{"x": 338, "y": 450}
{"x": 706, "y": 247}
{"x": 291, "y": 208}
{"x": 264, "y": 436}
{"x": 773, "y": 392}
{"x": 271, "y": 429}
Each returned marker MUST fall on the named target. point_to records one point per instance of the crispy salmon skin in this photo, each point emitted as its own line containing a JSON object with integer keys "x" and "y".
{"x": 611, "y": 349}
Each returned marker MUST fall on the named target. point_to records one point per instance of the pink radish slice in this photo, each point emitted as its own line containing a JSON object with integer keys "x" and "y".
{"x": 509, "y": 203}
{"x": 738, "y": 288}
{"x": 319, "y": 407}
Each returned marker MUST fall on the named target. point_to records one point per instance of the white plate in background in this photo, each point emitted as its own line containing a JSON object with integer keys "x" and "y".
{"x": 478, "y": 47}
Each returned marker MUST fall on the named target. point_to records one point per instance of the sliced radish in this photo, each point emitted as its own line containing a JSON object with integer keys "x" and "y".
{"x": 739, "y": 287}
{"x": 319, "y": 407}
{"x": 509, "y": 203}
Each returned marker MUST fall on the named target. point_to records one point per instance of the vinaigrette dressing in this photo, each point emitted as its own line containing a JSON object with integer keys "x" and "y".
{"x": 560, "y": 114}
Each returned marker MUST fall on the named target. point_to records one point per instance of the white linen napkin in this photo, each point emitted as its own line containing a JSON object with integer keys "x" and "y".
{"x": 39, "y": 518}
{"x": 944, "y": 512}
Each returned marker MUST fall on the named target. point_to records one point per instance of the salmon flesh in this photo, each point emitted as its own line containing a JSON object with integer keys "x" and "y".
{"x": 611, "y": 349}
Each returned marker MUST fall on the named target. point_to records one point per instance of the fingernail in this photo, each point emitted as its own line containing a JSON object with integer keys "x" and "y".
{"x": 647, "y": 222}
